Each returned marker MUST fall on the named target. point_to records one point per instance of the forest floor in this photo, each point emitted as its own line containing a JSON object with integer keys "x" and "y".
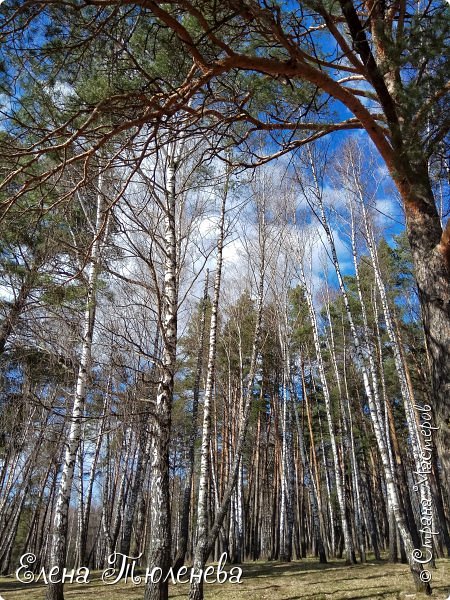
{"x": 305, "y": 580}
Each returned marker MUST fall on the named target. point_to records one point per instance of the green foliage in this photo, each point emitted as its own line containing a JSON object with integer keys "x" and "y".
{"x": 300, "y": 321}
{"x": 236, "y": 339}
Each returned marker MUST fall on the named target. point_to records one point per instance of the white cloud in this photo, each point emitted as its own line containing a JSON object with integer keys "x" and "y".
{"x": 59, "y": 92}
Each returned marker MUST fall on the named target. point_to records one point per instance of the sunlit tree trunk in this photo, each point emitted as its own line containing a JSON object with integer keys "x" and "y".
{"x": 374, "y": 406}
{"x": 159, "y": 546}
{"x": 183, "y": 531}
{"x": 348, "y": 544}
{"x": 430, "y": 246}
{"x": 59, "y": 530}
{"x": 201, "y": 549}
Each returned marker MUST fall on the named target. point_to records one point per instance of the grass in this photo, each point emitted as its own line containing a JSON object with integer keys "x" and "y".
{"x": 305, "y": 580}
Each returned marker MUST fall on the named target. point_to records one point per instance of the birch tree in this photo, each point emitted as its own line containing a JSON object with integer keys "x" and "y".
{"x": 201, "y": 547}
{"x": 374, "y": 403}
{"x": 57, "y": 556}
{"x": 159, "y": 552}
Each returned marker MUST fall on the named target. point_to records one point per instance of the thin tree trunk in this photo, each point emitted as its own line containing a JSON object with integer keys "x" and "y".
{"x": 201, "y": 548}
{"x": 349, "y": 551}
{"x": 183, "y": 531}
{"x": 308, "y": 476}
{"x": 58, "y": 546}
{"x": 377, "y": 420}
{"x": 202, "y": 551}
{"x": 159, "y": 550}
{"x": 83, "y": 533}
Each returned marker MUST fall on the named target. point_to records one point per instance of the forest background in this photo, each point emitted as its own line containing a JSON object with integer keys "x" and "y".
{"x": 225, "y": 285}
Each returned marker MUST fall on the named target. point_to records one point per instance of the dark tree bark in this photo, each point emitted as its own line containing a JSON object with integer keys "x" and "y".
{"x": 430, "y": 247}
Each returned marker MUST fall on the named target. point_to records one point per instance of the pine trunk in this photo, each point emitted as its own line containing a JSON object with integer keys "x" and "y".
{"x": 430, "y": 248}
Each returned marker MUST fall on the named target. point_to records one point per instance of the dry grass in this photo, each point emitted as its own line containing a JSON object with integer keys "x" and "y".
{"x": 306, "y": 580}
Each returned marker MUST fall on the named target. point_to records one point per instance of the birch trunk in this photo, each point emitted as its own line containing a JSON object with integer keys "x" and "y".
{"x": 348, "y": 545}
{"x": 159, "y": 550}
{"x": 183, "y": 532}
{"x": 348, "y": 426}
{"x": 83, "y": 533}
{"x": 202, "y": 551}
{"x": 328, "y": 488}
{"x": 395, "y": 343}
{"x": 201, "y": 548}
{"x": 121, "y": 495}
{"x": 286, "y": 515}
{"x": 59, "y": 530}
{"x": 142, "y": 453}
{"x": 375, "y": 412}
{"x": 284, "y": 556}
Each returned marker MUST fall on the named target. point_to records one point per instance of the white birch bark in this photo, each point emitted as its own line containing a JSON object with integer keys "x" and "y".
{"x": 348, "y": 545}
{"x": 86, "y": 509}
{"x": 348, "y": 427}
{"x": 196, "y": 591}
{"x": 283, "y": 477}
{"x": 355, "y": 469}
{"x": 332, "y": 520}
{"x": 201, "y": 548}
{"x": 374, "y": 407}
{"x": 286, "y": 514}
{"x": 159, "y": 550}
{"x": 183, "y": 531}
{"x": 58, "y": 545}
{"x": 408, "y": 403}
